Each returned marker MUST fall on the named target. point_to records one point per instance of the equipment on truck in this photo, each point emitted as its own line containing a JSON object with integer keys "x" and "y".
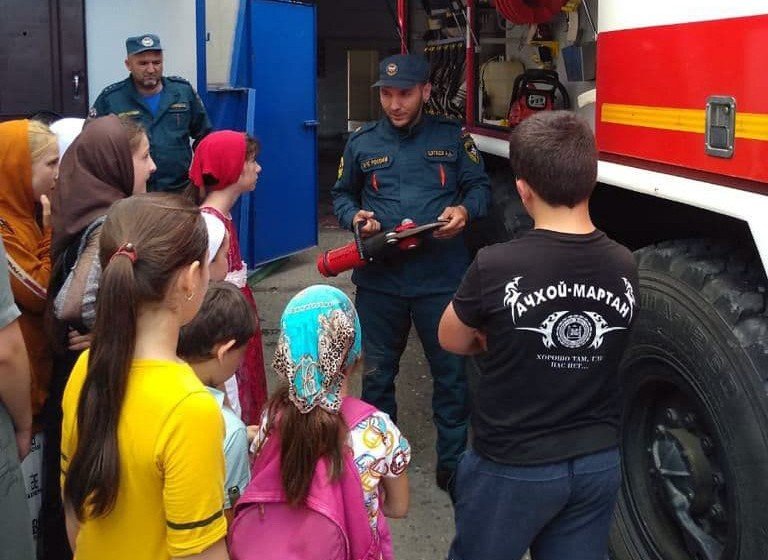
{"x": 529, "y": 11}
{"x": 447, "y": 76}
{"x": 385, "y": 244}
{"x": 536, "y": 90}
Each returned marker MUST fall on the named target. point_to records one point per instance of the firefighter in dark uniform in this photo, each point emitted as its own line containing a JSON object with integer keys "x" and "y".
{"x": 410, "y": 165}
{"x": 168, "y": 108}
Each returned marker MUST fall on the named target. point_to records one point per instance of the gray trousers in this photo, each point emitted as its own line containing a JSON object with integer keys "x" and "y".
{"x": 15, "y": 526}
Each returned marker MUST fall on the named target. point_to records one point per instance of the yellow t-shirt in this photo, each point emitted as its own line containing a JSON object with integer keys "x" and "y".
{"x": 170, "y": 496}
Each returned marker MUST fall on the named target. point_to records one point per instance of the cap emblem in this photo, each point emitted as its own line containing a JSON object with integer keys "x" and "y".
{"x": 391, "y": 69}
{"x": 148, "y": 41}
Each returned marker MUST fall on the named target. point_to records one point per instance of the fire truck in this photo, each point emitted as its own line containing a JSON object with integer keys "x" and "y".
{"x": 676, "y": 92}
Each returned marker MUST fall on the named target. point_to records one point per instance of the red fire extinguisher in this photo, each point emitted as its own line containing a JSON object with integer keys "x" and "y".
{"x": 361, "y": 251}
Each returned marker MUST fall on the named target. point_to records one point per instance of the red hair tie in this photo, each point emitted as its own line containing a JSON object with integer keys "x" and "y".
{"x": 126, "y": 249}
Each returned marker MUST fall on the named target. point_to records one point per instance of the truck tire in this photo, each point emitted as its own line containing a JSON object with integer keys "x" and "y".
{"x": 694, "y": 432}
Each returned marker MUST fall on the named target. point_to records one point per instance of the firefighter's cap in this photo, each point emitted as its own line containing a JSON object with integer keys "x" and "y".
{"x": 403, "y": 71}
{"x": 141, "y": 43}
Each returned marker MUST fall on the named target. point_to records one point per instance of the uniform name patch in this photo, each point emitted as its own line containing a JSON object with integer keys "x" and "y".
{"x": 373, "y": 162}
{"x": 179, "y": 107}
{"x": 441, "y": 153}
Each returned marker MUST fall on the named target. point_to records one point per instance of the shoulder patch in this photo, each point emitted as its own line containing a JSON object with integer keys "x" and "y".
{"x": 360, "y": 130}
{"x": 449, "y": 121}
{"x": 469, "y": 147}
{"x": 178, "y": 79}
{"x": 341, "y": 168}
{"x": 113, "y": 87}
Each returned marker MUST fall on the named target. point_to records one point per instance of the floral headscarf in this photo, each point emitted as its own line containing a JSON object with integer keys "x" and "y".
{"x": 319, "y": 339}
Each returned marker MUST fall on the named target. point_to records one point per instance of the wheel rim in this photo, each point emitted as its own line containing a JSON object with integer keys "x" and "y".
{"x": 671, "y": 456}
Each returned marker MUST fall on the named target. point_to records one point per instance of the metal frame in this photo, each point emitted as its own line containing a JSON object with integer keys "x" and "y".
{"x": 470, "y": 104}
{"x": 402, "y": 23}
{"x": 202, "y": 59}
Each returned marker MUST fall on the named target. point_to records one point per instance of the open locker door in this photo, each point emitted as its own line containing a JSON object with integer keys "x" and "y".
{"x": 272, "y": 95}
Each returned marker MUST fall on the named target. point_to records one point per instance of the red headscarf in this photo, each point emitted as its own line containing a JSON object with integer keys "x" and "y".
{"x": 221, "y": 155}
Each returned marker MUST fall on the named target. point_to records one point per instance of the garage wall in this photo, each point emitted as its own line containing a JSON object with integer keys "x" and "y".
{"x": 108, "y": 23}
{"x": 344, "y": 25}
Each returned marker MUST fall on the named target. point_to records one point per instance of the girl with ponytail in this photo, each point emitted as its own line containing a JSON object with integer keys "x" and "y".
{"x": 141, "y": 458}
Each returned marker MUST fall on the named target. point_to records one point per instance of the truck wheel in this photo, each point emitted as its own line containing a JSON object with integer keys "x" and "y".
{"x": 695, "y": 423}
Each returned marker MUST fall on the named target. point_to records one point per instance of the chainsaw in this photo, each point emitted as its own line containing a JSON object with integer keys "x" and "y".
{"x": 362, "y": 250}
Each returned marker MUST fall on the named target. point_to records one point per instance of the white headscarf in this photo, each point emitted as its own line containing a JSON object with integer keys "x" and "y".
{"x": 66, "y": 131}
{"x": 216, "y": 232}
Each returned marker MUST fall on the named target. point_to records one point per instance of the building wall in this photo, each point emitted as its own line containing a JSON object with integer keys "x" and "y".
{"x": 343, "y": 25}
{"x": 220, "y": 22}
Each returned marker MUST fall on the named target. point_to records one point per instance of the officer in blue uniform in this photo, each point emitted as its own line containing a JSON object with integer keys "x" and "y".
{"x": 168, "y": 108}
{"x": 410, "y": 165}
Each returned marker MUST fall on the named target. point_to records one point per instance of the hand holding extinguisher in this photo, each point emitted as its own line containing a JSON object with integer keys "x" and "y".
{"x": 368, "y": 224}
{"x": 363, "y": 250}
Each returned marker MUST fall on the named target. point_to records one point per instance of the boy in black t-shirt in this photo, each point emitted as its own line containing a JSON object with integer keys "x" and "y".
{"x": 548, "y": 315}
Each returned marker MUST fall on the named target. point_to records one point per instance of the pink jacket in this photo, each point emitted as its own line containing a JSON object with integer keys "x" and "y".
{"x": 333, "y": 525}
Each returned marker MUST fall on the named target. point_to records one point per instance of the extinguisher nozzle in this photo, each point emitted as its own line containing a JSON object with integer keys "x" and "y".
{"x": 332, "y": 262}
{"x": 322, "y": 266}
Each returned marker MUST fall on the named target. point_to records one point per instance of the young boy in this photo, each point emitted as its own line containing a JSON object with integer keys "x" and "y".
{"x": 549, "y": 315}
{"x": 214, "y": 344}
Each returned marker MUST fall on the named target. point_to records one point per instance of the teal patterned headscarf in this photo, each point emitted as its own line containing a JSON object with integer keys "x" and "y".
{"x": 319, "y": 339}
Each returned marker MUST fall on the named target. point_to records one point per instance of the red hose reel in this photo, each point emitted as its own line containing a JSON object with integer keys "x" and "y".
{"x": 529, "y": 11}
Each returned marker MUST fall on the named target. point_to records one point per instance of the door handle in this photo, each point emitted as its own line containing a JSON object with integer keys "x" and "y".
{"x": 311, "y": 123}
{"x": 76, "y": 85}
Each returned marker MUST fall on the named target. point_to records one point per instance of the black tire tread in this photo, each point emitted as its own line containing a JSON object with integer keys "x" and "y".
{"x": 732, "y": 280}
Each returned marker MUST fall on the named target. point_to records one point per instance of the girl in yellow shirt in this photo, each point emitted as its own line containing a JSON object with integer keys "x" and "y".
{"x": 142, "y": 461}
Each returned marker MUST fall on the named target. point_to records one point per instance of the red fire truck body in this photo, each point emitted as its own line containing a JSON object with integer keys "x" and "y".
{"x": 680, "y": 112}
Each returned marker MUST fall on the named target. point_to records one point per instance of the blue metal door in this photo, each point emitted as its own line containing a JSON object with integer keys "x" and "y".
{"x": 283, "y": 76}
{"x": 272, "y": 95}
{"x": 278, "y": 39}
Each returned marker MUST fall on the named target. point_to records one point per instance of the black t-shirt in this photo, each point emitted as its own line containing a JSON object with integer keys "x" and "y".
{"x": 556, "y": 309}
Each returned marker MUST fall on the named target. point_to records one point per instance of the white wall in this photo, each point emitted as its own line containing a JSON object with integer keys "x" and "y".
{"x": 220, "y": 20}
{"x": 108, "y": 23}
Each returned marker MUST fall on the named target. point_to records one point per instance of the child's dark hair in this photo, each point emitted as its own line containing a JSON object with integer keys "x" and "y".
{"x": 305, "y": 439}
{"x": 145, "y": 241}
{"x": 555, "y": 152}
{"x": 224, "y": 315}
{"x": 252, "y": 148}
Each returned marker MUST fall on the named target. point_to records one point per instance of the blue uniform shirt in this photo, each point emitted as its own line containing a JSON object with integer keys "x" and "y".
{"x": 180, "y": 116}
{"x": 414, "y": 173}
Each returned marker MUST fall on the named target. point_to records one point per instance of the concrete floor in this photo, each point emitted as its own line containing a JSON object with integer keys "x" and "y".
{"x": 427, "y": 531}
